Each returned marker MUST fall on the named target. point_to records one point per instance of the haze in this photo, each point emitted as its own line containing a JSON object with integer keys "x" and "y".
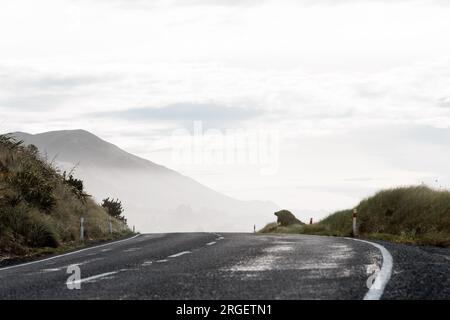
{"x": 344, "y": 97}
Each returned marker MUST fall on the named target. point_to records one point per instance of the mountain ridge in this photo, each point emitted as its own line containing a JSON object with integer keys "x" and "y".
{"x": 157, "y": 198}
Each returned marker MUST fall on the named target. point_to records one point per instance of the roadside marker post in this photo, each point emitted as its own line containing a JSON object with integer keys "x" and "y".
{"x": 355, "y": 227}
{"x": 82, "y": 229}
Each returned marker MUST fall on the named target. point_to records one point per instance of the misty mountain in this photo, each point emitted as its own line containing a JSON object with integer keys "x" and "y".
{"x": 156, "y": 198}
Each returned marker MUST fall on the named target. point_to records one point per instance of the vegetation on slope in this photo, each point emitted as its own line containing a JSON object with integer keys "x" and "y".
{"x": 416, "y": 215}
{"x": 40, "y": 209}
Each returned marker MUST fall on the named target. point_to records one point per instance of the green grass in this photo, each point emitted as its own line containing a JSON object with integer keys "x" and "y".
{"x": 413, "y": 215}
{"x": 275, "y": 228}
{"x": 39, "y": 211}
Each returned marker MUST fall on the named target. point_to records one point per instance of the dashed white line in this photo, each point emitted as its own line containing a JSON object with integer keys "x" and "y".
{"x": 162, "y": 261}
{"x": 99, "y": 276}
{"x": 51, "y": 270}
{"x": 67, "y": 254}
{"x": 132, "y": 249}
{"x": 85, "y": 262}
{"x": 211, "y": 243}
{"x": 179, "y": 254}
{"x": 376, "y": 290}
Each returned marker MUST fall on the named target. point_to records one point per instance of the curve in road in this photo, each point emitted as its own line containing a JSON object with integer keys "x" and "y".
{"x": 230, "y": 266}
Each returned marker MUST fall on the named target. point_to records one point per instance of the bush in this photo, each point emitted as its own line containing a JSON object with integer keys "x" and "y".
{"x": 26, "y": 229}
{"x": 114, "y": 208}
{"x": 76, "y": 185}
{"x": 40, "y": 207}
{"x": 41, "y": 234}
{"x": 286, "y": 218}
{"x": 33, "y": 187}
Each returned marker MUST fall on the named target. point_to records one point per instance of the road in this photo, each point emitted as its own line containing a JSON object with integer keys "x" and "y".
{"x": 234, "y": 266}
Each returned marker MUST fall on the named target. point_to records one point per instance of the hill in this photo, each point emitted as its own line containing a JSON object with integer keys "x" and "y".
{"x": 415, "y": 214}
{"x": 40, "y": 208}
{"x": 156, "y": 198}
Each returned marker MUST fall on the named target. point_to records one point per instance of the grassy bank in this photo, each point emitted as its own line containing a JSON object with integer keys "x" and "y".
{"x": 40, "y": 209}
{"x": 414, "y": 215}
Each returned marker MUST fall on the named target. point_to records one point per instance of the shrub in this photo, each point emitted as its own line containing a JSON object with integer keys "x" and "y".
{"x": 76, "y": 185}
{"x": 114, "y": 208}
{"x": 26, "y": 229}
{"x": 40, "y": 233}
{"x": 33, "y": 187}
{"x": 40, "y": 207}
{"x": 286, "y": 218}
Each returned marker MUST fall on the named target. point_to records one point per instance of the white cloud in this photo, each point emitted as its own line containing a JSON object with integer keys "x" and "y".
{"x": 308, "y": 69}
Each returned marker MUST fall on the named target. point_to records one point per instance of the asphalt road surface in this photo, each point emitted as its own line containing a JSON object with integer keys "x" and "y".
{"x": 234, "y": 266}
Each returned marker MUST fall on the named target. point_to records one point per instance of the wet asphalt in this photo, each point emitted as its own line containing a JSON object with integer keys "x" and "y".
{"x": 205, "y": 266}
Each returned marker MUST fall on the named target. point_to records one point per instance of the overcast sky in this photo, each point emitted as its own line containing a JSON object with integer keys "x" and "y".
{"x": 356, "y": 93}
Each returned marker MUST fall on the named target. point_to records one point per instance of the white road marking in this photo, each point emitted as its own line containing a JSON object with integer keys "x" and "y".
{"x": 64, "y": 267}
{"x": 161, "y": 261}
{"x": 91, "y": 254}
{"x": 84, "y": 262}
{"x": 67, "y": 254}
{"x": 211, "y": 243}
{"x": 376, "y": 290}
{"x": 132, "y": 249}
{"x": 179, "y": 254}
{"x": 220, "y": 238}
{"x": 99, "y": 276}
{"x": 51, "y": 270}
{"x": 146, "y": 263}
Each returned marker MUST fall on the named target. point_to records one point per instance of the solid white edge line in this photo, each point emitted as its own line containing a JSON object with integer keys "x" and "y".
{"x": 376, "y": 290}
{"x": 67, "y": 254}
{"x": 179, "y": 254}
